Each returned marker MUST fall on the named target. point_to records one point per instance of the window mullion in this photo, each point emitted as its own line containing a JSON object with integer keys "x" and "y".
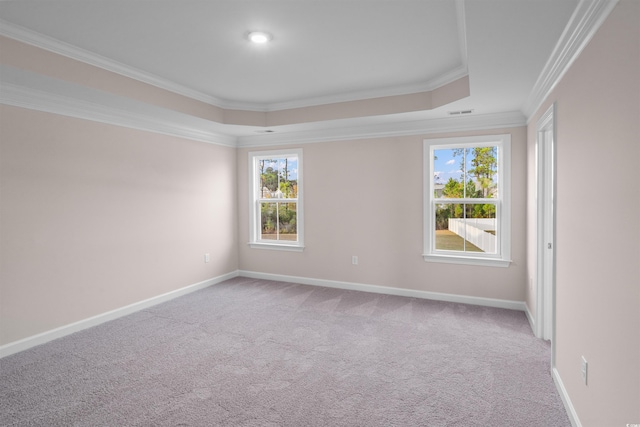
{"x": 464, "y": 221}
{"x": 277, "y": 220}
{"x": 468, "y": 201}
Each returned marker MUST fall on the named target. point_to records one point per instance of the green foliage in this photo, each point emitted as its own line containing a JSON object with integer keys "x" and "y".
{"x": 278, "y": 217}
{"x": 452, "y": 189}
{"x": 442, "y": 218}
{"x": 489, "y": 211}
{"x": 484, "y": 165}
{"x": 268, "y": 218}
{"x": 446, "y": 211}
{"x": 268, "y": 176}
{"x": 288, "y": 217}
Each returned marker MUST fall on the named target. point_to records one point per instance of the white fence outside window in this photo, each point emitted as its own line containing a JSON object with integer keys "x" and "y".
{"x": 476, "y": 232}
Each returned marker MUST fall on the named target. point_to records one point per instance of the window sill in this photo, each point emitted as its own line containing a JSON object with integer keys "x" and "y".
{"x": 276, "y": 246}
{"x": 449, "y": 259}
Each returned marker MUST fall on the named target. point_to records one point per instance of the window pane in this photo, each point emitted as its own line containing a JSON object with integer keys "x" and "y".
{"x": 446, "y": 215}
{"x": 482, "y": 171}
{"x": 288, "y": 172}
{"x": 278, "y": 221}
{"x": 278, "y": 178}
{"x": 481, "y": 227}
{"x": 268, "y": 175}
{"x": 466, "y": 228}
{"x": 466, "y": 172}
{"x": 269, "y": 221}
{"x": 448, "y": 175}
{"x": 288, "y": 221}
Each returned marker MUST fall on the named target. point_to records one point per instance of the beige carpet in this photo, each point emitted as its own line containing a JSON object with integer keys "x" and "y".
{"x": 257, "y": 353}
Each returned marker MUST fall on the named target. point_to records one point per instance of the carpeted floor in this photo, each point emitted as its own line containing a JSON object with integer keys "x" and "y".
{"x": 257, "y": 353}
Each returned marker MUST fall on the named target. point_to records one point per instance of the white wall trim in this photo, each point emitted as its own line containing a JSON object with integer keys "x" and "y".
{"x": 388, "y": 130}
{"x": 530, "y": 318}
{"x": 545, "y": 225}
{"x": 412, "y": 293}
{"x": 37, "y": 92}
{"x": 571, "y": 411}
{"x": 42, "y": 338}
{"x": 583, "y": 24}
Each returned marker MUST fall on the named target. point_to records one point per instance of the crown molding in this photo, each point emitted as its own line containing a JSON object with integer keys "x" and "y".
{"x": 432, "y": 84}
{"x": 50, "y": 44}
{"x": 34, "y": 92}
{"x": 462, "y": 32}
{"x": 386, "y": 130}
{"x": 30, "y": 90}
{"x": 105, "y": 108}
{"x": 443, "y": 79}
{"x": 585, "y": 21}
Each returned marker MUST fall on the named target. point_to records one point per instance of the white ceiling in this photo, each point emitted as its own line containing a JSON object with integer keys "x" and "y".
{"x": 322, "y": 51}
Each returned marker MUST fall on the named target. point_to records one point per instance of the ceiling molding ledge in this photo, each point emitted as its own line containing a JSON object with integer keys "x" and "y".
{"x": 585, "y": 21}
{"x": 388, "y": 130}
{"x": 421, "y": 101}
{"x": 105, "y": 108}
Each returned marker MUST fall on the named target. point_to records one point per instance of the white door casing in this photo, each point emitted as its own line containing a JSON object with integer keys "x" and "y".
{"x": 545, "y": 168}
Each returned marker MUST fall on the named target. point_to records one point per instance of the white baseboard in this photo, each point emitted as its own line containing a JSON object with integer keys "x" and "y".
{"x": 531, "y": 319}
{"x": 32, "y": 341}
{"x": 487, "y": 302}
{"x": 571, "y": 411}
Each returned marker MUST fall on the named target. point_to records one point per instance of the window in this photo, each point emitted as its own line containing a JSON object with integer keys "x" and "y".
{"x": 276, "y": 211}
{"x": 467, "y": 200}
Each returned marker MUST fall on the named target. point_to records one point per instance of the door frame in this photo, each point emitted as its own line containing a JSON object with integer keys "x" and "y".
{"x": 546, "y": 221}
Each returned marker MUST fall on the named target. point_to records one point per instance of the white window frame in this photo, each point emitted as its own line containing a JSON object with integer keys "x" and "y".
{"x": 502, "y": 257}
{"x": 255, "y": 240}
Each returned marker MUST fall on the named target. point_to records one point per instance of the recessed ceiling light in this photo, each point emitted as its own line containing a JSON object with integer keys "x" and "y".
{"x": 259, "y": 37}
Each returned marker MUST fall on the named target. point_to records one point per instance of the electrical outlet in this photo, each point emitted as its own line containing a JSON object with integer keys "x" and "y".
{"x": 354, "y": 260}
{"x": 207, "y": 257}
{"x": 584, "y": 370}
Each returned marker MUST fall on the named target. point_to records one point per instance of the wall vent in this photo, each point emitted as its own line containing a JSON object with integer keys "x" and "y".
{"x": 460, "y": 113}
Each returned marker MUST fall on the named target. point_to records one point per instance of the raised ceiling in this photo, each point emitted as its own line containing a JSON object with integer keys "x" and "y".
{"x": 323, "y": 51}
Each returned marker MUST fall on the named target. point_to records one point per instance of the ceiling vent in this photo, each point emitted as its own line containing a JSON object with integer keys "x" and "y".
{"x": 460, "y": 113}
